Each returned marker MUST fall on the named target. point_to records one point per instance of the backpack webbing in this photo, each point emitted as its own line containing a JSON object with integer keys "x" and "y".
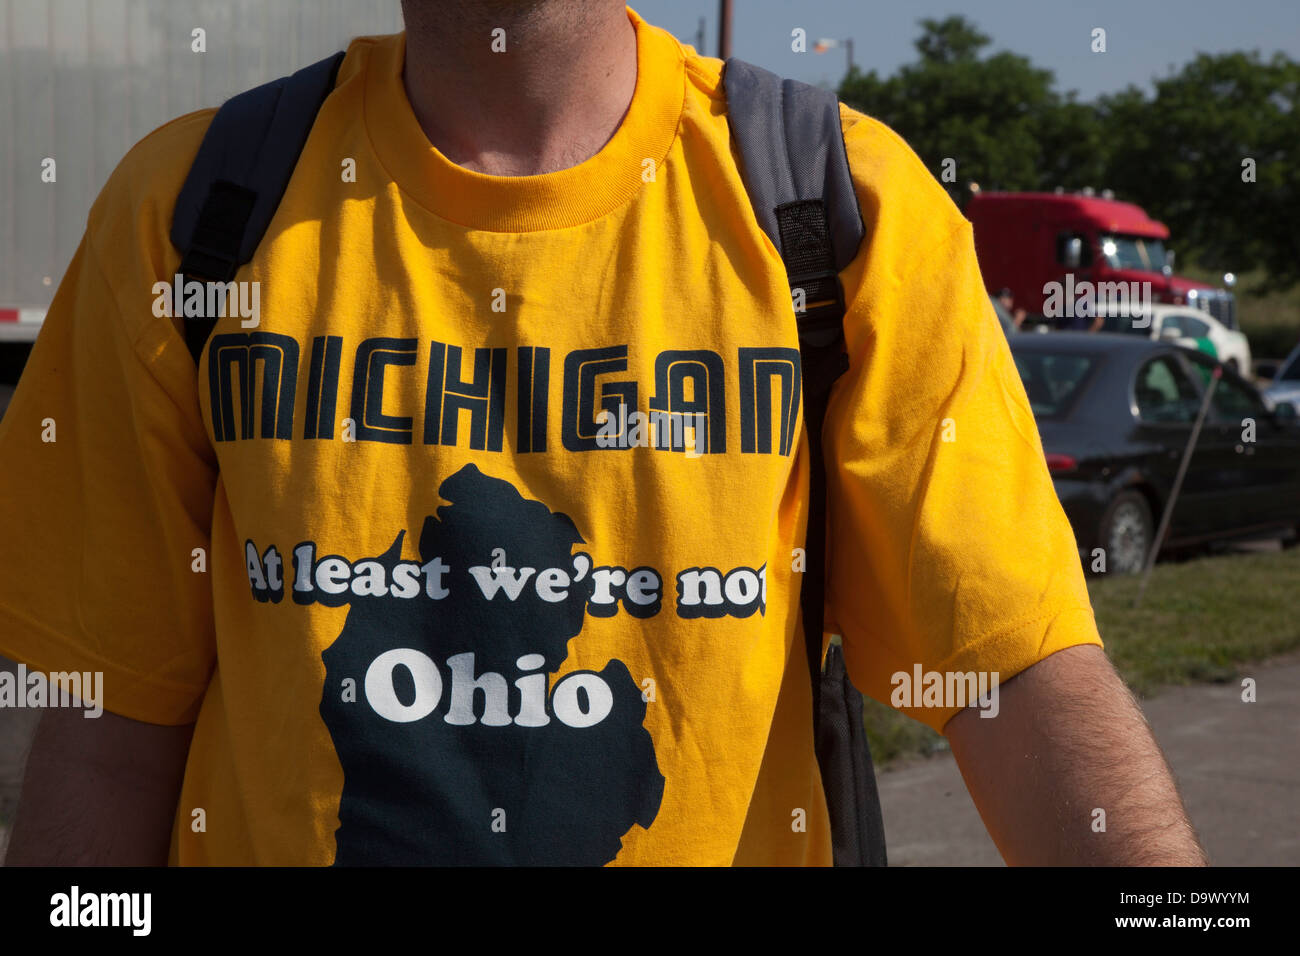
{"x": 239, "y": 176}
{"x": 796, "y": 171}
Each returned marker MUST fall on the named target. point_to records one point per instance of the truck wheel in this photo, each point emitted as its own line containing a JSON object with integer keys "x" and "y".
{"x": 1126, "y": 533}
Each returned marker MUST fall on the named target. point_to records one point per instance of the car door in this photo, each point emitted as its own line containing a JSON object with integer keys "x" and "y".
{"x": 1166, "y": 401}
{"x": 1266, "y": 454}
{"x": 1198, "y": 331}
{"x": 1187, "y": 330}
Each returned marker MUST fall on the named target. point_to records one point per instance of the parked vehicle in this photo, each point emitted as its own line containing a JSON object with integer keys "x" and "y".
{"x": 1115, "y": 413}
{"x": 1027, "y": 240}
{"x": 1285, "y": 386}
{"x": 1191, "y": 329}
{"x": 1202, "y": 331}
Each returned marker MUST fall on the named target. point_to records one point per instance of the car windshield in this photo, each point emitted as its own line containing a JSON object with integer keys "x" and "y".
{"x": 1290, "y": 372}
{"x": 1052, "y": 379}
{"x": 1133, "y": 252}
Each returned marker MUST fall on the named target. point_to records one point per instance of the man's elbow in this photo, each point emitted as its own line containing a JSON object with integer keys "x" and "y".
{"x": 98, "y": 791}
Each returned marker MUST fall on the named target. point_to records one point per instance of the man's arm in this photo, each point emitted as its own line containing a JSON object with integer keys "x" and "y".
{"x": 1069, "y": 739}
{"x": 99, "y": 791}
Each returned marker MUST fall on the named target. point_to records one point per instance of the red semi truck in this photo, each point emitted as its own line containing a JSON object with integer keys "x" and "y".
{"x": 1027, "y": 240}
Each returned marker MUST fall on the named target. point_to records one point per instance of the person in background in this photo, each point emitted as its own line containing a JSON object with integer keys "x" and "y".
{"x": 1009, "y": 303}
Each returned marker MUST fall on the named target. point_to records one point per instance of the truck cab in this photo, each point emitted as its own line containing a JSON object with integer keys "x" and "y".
{"x": 1026, "y": 240}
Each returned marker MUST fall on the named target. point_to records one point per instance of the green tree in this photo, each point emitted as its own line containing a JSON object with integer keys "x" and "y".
{"x": 997, "y": 116}
{"x": 950, "y": 41}
{"x": 1180, "y": 154}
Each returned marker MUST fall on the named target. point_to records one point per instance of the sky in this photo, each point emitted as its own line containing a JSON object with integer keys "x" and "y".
{"x": 1144, "y": 38}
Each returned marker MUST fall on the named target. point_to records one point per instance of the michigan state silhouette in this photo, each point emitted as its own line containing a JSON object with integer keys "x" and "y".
{"x": 455, "y": 750}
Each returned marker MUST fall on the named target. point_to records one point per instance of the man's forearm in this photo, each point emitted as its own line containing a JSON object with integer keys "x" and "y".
{"x": 98, "y": 791}
{"x": 1069, "y": 741}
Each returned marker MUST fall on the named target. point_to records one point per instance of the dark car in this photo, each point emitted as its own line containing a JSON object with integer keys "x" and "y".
{"x": 1115, "y": 413}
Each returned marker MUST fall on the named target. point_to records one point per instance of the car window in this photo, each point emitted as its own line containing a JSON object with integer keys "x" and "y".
{"x": 1233, "y": 400}
{"x": 1290, "y": 372}
{"x": 1063, "y": 239}
{"x": 1195, "y": 328}
{"x": 1052, "y": 380}
{"x": 1164, "y": 392}
{"x": 1133, "y": 252}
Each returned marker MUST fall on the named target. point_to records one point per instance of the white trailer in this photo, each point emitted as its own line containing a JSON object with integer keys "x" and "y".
{"x": 81, "y": 81}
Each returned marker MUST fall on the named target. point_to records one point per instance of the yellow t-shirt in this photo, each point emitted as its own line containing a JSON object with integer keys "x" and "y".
{"x": 424, "y": 599}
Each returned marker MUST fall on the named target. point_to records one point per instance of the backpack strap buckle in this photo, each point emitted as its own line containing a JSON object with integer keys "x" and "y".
{"x": 815, "y": 285}
{"x": 213, "y": 253}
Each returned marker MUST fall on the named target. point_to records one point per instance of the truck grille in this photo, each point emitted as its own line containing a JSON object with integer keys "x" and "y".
{"x": 1221, "y": 304}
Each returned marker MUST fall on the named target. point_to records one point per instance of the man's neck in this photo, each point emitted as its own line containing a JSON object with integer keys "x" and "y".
{"x": 550, "y": 100}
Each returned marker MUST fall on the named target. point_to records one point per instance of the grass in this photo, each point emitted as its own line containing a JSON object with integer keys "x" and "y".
{"x": 893, "y": 735}
{"x": 1200, "y": 619}
{"x": 1198, "y": 622}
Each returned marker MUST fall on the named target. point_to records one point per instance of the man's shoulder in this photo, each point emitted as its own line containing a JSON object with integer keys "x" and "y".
{"x": 136, "y": 203}
{"x": 142, "y": 189}
{"x": 889, "y": 175}
{"x": 173, "y": 144}
{"x": 703, "y": 73}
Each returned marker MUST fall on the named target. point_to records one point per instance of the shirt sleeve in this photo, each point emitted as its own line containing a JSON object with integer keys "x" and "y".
{"x": 949, "y": 548}
{"x": 106, "y": 500}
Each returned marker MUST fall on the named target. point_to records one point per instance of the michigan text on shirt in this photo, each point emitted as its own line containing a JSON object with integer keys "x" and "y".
{"x": 460, "y": 395}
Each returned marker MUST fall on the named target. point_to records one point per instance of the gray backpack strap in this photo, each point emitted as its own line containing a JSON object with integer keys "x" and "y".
{"x": 796, "y": 171}
{"x": 239, "y": 176}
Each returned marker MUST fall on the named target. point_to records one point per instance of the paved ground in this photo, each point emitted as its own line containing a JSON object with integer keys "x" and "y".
{"x": 1238, "y": 766}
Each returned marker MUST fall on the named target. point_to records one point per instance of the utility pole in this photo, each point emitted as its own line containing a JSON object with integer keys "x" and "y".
{"x": 724, "y": 29}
